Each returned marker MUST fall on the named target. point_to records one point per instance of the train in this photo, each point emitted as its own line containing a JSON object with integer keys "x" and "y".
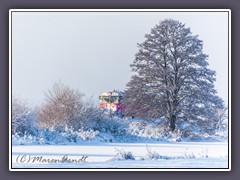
{"x": 111, "y": 103}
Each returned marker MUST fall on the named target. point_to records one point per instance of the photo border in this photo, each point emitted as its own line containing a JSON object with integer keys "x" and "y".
{"x": 120, "y": 10}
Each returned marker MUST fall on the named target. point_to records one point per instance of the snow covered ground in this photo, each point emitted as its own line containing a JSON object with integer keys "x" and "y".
{"x": 108, "y": 155}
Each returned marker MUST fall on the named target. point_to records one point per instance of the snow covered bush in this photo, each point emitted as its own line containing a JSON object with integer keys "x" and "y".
{"x": 69, "y": 135}
{"x": 116, "y": 127}
{"x": 148, "y": 130}
{"x": 191, "y": 135}
{"x": 87, "y": 135}
{"x": 152, "y": 155}
{"x": 22, "y": 117}
{"x": 50, "y": 136}
{"x": 56, "y": 136}
{"x": 221, "y": 124}
{"x": 135, "y": 127}
{"x": 175, "y": 136}
{"x": 123, "y": 155}
{"x": 23, "y": 139}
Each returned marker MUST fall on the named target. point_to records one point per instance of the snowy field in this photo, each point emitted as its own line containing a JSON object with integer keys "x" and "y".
{"x": 109, "y": 155}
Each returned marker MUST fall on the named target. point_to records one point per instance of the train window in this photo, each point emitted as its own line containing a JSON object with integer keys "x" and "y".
{"x": 106, "y": 99}
{"x": 120, "y": 99}
{"x": 113, "y": 99}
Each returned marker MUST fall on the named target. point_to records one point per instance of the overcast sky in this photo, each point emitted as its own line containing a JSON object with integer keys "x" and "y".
{"x": 92, "y": 51}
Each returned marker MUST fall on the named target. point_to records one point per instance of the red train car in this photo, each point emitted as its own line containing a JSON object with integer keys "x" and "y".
{"x": 111, "y": 102}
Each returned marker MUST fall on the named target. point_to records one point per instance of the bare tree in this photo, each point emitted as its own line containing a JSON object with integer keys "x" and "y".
{"x": 222, "y": 116}
{"x": 65, "y": 106}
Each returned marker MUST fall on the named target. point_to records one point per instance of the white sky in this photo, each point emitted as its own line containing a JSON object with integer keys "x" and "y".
{"x": 92, "y": 51}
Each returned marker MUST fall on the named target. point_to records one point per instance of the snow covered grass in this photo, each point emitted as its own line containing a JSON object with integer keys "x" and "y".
{"x": 126, "y": 155}
{"x": 53, "y": 137}
{"x": 153, "y": 155}
{"x": 118, "y": 143}
{"x": 160, "y": 132}
{"x": 117, "y": 133}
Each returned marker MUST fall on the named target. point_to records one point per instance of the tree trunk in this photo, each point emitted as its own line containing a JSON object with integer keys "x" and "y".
{"x": 172, "y": 123}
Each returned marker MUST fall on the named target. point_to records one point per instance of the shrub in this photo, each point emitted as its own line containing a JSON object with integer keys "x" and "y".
{"x": 117, "y": 127}
{"x": 65, "y": 106}
{"x": 123, "y": 155}
{"x": 22, "y": 117}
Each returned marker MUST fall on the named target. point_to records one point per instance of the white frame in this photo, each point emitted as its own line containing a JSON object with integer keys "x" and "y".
{"x": 119, "y": 10}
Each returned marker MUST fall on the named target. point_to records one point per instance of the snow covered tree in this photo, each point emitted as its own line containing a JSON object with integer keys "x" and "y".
{"x": 22, "y": 117}
{"x": 172, "y": 79}
{"x": 65, "y": 106}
